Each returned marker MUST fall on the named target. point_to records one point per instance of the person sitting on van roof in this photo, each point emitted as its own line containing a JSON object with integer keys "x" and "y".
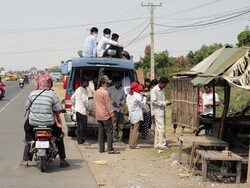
{"x": 119, "y": 50}
{"x": 102, "y": 45}
{"x": 90, "y": 47}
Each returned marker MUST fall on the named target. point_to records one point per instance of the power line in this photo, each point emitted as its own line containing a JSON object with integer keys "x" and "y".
{"x": 137, "y": 36}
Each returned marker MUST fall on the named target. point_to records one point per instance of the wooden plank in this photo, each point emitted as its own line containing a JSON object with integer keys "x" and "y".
{"x": 216, "y": 155}
{"x": 238, "y": 172}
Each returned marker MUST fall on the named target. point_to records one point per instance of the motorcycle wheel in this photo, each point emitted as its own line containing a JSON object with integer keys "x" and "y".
{"x": 42, "y": 164}
{"x": 200, "y": 131}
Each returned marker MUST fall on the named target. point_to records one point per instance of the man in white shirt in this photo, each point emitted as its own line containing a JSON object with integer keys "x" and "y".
{"x": 158, "y": 105}
{"x": 102, "y": 45}
{"x": 207, "y": 99}
{"x": 135, "y": 103}
{"x": 80, "y": 99}
{"x": 90, "y": 47}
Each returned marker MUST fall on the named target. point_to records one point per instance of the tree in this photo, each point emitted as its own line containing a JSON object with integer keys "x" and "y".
{"x": 162, "y": 60}
{"x": 244, "y": 38}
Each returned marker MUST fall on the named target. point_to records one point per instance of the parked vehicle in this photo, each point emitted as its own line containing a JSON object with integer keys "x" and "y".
{"x": 93, "y": 67}
{"x": 44, "y": 150}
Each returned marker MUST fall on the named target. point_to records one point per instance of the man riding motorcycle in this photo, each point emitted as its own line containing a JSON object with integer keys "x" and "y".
{"x": 21, "y": 81}
{"x": 2, "y": 88}
{"x": 43, "y": 104}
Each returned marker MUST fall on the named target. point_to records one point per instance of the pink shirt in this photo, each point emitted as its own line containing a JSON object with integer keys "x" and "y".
{"x": 102, "y": 105}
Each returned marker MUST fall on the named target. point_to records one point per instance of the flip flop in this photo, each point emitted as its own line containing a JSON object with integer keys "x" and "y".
{"x": 113, "y": 152}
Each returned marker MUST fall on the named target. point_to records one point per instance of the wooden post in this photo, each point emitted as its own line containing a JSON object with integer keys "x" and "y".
{"x": 227, "y": 90}
{"x": 248, "y": 170}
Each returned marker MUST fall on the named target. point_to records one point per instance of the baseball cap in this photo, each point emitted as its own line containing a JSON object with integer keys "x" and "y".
{"x": 105, "y": 79}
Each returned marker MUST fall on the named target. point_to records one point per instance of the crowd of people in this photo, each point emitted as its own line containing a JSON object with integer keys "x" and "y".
{"x": 108, "y": 42}
{"x": 145, "y": 105}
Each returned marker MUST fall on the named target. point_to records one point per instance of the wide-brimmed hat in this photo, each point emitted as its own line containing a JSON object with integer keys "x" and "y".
{"x": 135, "y": 87}
{"x": 105, "y": 79}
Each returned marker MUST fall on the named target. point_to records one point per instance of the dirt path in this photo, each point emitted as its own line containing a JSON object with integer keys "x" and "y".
{"x": 144, "y": 168}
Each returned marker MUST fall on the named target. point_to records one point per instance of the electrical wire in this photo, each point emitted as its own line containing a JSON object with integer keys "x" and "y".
{"x": 137, "y": 36}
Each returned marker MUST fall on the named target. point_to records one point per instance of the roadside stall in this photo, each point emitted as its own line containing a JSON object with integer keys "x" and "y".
{"x": 227, "y": 67}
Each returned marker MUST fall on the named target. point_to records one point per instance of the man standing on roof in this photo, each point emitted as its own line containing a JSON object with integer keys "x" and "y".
{"x": 89, "y": 48}
{"x": 102, "y": 45}
{"x": 207, "y": 99}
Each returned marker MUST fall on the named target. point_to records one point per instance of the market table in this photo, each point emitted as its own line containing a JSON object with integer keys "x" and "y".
{"x": 195, "y": 141}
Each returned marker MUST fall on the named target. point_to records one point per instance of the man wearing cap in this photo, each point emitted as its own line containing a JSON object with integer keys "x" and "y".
{"x": 158, "y": 105}
{"x": 135, "y": 103}
{"x": 104, "y": 115}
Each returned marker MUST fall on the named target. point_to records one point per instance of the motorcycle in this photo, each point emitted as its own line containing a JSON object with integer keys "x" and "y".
{"x": 2, "y": 90}
{"x": 44, "y": 149}
{"x": 21, "y": 85}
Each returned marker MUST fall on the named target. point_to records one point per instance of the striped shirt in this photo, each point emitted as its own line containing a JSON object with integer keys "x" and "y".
{"x": 41, "y": 110}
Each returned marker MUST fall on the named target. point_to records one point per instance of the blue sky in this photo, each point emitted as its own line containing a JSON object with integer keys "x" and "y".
{"x": 41, "y": 33}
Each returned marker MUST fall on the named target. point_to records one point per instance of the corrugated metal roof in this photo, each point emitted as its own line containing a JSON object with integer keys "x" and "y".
{"x": 220, "y": 64}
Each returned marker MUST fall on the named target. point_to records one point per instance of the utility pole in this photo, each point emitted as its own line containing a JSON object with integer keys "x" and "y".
{"x": 151, "y": 8}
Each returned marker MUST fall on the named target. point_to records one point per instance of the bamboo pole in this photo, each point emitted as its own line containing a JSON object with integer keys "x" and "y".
{"x": 227, "y": 92}
{"x": 248, "y": 170}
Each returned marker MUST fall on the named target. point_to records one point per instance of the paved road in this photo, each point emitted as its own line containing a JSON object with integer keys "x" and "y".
{"x": 12, "y": 109}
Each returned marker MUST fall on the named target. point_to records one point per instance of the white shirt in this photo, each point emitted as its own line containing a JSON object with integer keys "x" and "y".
{"x": 158, "y": 101}
{"x": 102, "y": 45}
{"x": 207, "y": 98}
{"x": 135, "y": 104}
{"x": 126, "y": 84}
{"x": 80, "y": 99}
{"x": 89, "y": 48}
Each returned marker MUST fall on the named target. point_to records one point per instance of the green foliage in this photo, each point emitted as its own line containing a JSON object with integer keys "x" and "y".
{"x": 161, "y": 61}
{"x": 244, "y": 38}
{"x": 55, "y": 69}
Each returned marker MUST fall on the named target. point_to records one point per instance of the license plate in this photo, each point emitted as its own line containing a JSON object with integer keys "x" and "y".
{"x": 42, "y": 144}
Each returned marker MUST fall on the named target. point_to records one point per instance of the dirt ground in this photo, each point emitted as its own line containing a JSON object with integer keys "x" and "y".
{"x": 141, "y": 168}
{"x": 145, "y": 167}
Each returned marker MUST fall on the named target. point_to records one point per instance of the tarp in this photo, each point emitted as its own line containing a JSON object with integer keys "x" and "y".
{"x": 227, "y": 63}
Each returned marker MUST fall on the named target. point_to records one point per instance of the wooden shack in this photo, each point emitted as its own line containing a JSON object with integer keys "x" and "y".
{"x": 184, "y": 100}
{"x": 229, "y": 67}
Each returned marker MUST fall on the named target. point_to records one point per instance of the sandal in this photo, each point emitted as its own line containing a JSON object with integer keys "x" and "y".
{"x": 24, "y": 164}
{"x": 64, "y": 163}
{"x": 113, "y": 152}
